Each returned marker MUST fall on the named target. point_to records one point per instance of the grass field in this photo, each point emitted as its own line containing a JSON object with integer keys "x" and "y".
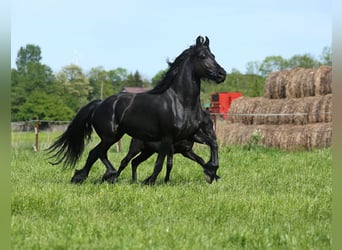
{"x": 265, "y": 199}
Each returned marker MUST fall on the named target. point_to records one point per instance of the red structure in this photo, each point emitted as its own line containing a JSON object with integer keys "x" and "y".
{"x": 220, "y": 102}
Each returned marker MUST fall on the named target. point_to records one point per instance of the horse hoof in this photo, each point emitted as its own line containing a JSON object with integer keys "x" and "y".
{"x": 209, "y": 179}
{"x": 148, "y": 181}
{"x": 78, "y": 177}
{"x": 77, "y": 180}
{"x": 110, "y": 177}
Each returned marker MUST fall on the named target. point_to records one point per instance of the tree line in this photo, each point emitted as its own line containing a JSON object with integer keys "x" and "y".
{"x": 36, "y": 91}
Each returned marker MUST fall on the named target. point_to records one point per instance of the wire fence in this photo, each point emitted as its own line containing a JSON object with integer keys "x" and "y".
{"x": 290, "y": 114}
{"x": 60, "y": 125}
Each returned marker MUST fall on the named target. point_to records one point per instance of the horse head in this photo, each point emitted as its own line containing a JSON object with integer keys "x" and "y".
{"x": 205, "y": 65}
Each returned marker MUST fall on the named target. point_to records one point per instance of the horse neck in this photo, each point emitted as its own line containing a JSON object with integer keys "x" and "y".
{"x": 187, "y": 87}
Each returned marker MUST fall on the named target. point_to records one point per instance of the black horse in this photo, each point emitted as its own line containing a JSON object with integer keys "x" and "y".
{"x": 168, "y": 113}
{"x": 205, "y": 135}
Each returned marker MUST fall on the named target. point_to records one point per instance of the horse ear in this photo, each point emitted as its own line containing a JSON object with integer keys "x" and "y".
{"x": 199, "y": 41}
{"x": 206, "y": 43}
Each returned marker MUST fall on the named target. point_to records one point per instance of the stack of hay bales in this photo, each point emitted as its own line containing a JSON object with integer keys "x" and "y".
{"x": 295, "y": 112}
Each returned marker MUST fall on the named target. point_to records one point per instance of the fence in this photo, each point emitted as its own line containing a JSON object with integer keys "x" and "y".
{"x": 44, "y": 125}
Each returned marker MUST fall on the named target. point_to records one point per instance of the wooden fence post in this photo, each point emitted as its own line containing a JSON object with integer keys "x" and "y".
{"x": 36, "y": 130}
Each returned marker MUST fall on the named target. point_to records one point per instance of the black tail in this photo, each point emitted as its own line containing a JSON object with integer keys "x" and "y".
{"x": 70, "y": 145}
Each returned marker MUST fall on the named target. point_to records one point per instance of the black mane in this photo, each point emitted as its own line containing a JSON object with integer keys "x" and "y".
{"x": 173, "y": 70}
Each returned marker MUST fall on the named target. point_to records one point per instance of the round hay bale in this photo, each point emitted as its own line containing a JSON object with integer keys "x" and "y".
{"x": 297, "y": 111}
{"x": 298, "y": 82}
{"x": 274, "y": 87}
{"x": 320, "y": 109}
{"x": 242, "y": 106}
{"x": 323, "y": 80}
{"x": 287, "y": 137}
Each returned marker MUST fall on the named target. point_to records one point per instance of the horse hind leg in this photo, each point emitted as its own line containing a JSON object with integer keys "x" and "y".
{"x": 100, "y": 151}
{"x": 82, "y": 174}
{"x": 111, "y": 174}
{"x": 169, "y": 164}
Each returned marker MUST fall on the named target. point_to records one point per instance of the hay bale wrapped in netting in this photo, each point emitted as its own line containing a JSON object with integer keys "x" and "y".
{"x": 288, "y": 137}
{"x": 320, "y": 109}
{"x": 242, "y": 106}
{"x": 275, "y": 84}
{"x": 260, "y": 110}
{"x": 298, "y": 82}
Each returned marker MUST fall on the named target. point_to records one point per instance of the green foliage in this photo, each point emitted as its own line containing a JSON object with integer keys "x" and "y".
{"x": 304, "y": 61}
{"x": 272, "y": 63}
{"x": 75, "y": 87}
{"x": 254, "y": 141}
{"x": 265, "y": 199}
{"x": 275, "y": 63}
{"x": 30, "y": 54}
{"x": 326, "y": 56}
{"x": 31, "y": 76}
{"x": 158, "y": 77}
{"x": 44, "y": 106}
{"x": 98, "y": 81}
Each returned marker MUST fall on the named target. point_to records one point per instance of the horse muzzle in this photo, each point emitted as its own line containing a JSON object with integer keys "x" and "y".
{"x": 220, "y": 75}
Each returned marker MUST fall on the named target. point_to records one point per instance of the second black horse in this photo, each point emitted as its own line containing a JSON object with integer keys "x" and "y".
{"x": 205, "y": 135}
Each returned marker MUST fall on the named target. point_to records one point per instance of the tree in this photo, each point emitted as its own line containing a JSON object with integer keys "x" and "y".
{"x": 135, "y": 80}
{"x": 75, "y": 86}
{"x": 252, "y": 68}
{"x": 304, "y": 61}
{"x": 272, "y": 63}
{"x": 158, "y": 77}
{"x": 26, "y": 55}
{"x": 117, "y": 77}
{"x": 326, "y": 56}
{"x": 30, "y": 76}
{"x": 98, "y": 80}
{"x": 46, "y": 107}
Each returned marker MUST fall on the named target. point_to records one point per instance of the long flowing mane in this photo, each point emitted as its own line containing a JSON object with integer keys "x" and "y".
{"x": 173, "y": 70}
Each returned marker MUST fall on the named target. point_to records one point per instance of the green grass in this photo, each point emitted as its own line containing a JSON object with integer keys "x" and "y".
{"x": 265, "y": 199}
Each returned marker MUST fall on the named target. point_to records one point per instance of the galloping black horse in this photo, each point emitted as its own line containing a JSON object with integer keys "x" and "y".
{"x": 205, "y": 135}
{"x": 168, "y": 113}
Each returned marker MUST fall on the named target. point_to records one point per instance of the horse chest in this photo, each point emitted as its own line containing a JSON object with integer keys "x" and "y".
{"x": 186, "y": 123}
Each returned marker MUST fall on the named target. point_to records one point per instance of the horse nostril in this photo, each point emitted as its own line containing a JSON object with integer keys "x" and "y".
{"x": 221, "y": 73}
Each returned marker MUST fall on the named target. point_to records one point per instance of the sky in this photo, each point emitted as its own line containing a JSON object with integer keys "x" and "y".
{"x": 143, "y": 35}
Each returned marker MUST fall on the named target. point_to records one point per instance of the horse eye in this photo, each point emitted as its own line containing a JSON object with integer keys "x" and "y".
{"x": 202, "y": 55}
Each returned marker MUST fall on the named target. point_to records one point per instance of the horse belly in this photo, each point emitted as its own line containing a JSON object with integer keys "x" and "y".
{"x": 141, "y": 125}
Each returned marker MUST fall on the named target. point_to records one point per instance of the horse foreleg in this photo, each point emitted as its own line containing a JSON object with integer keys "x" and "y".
{"x": 135, "y": 147}
{"x": 165, "y": 148}
{"x": 192, "y": 156}
{"x": 169, "y": 165}
{"x": 214, "y": 154}
{"x": 125, "y": 162}
{"x": 136, "y": 162}
{"x": 209, "y": 176}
